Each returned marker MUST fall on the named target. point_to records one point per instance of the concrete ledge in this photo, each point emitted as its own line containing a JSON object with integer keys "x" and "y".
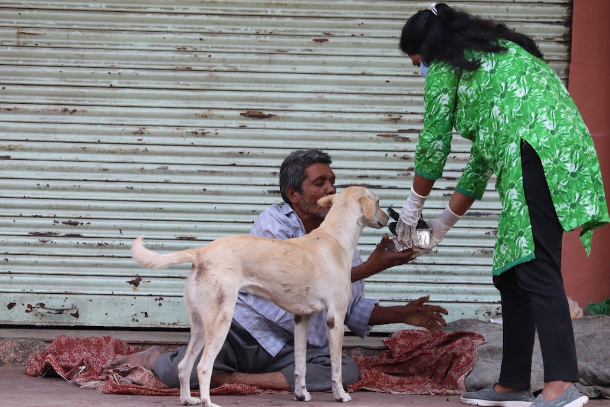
{"x": 17, "y": 344}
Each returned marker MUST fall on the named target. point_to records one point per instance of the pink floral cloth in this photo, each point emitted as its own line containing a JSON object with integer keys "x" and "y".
{"x": 82, "y": 360}
{"x": 420, "y": 362}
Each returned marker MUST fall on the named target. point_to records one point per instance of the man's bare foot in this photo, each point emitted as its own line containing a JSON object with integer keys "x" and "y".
{"x": 273, "y": 380}
{"x": 218, "y": 379}
{"x": 146, "y": 359}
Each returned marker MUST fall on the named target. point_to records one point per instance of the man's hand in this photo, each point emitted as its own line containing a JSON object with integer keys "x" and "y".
{"x": 418, "y": 313}
{"x": 381, "y": 260}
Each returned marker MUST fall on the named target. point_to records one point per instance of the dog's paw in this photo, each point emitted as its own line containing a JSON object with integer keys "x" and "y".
{"x": 190, "y": 401}
{"x": 343, "y": 398}
{"x": 305, "y": 396}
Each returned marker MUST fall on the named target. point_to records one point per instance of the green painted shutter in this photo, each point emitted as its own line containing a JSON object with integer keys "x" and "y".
{"x": 169, "y": 119}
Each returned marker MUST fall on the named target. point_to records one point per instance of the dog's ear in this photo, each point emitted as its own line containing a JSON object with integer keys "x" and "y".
{"x": 327, "y": 201}
{"x": 368, "y": 207}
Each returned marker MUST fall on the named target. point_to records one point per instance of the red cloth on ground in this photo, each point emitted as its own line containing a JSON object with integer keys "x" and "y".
{"x": 417, "y": 362}
{"x": 420, "y": 362}
{"x": 82, "y": 360}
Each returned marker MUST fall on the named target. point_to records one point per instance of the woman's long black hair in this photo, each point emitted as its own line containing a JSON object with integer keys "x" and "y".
{"x": 446, "y": 35}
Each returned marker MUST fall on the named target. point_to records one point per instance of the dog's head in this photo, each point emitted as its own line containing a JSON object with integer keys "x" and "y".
{"x": 373, "y": 216}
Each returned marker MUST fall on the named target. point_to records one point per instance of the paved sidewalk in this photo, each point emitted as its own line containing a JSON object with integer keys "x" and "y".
{"x": 19, "y": 390}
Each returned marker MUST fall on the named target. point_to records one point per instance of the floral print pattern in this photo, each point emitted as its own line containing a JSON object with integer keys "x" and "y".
{"x": 513, "y": 96}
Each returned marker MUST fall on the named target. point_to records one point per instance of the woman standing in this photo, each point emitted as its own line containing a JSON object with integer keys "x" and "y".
{"x": 490, "y": 84}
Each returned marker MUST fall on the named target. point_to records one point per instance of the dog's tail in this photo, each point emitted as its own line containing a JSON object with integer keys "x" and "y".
{"x": 152, "y": 260}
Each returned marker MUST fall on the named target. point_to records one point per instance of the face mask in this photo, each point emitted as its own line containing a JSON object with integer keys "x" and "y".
{"x": 423, "y": 70}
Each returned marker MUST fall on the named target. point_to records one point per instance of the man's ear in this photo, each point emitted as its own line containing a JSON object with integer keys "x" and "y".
{"x": 291, "y": 193}
{"x": 327, "y": 201}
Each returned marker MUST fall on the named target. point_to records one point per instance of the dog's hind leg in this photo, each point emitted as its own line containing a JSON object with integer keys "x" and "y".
{"x": 217, "y": 328}
{"x": 301, "y": 322}
{"x": 335, "y": 337}
{"x": 192, "y": 351}
{"x": 195, "y": 346}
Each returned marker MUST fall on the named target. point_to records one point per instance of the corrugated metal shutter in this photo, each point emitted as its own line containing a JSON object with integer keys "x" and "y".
{"x": 170, "y": 119}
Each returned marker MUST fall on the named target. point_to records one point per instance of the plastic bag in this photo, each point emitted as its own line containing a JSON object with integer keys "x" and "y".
{"x": 595, "y": 308}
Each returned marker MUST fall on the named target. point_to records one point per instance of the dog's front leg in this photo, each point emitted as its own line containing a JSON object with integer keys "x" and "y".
{"x": 335, "y": 337}
{"x": 301, "y": 322}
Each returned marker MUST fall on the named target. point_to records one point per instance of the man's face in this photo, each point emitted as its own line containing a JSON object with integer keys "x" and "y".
{"x": 319, "y": 182}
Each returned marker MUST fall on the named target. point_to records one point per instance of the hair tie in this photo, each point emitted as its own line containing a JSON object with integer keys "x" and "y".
{"x": 432, "y": 8}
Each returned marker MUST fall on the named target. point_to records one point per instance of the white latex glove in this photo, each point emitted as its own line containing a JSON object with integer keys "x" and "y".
{"x": 409, "y": 215}
{"x": 440, "y": 226}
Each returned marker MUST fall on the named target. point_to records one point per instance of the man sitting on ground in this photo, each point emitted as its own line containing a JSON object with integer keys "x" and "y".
{"x": 259, "y": 349}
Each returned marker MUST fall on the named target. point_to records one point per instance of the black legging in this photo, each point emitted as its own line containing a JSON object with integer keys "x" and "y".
{"x": 532, "y": 293}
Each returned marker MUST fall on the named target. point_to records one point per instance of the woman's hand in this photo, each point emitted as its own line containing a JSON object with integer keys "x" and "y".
{"x": 409, "y": 216}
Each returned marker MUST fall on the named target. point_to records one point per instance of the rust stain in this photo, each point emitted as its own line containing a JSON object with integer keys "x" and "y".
{"x": 26, "y": 33}
{"x": 11, "y": 305}
{"x": 72, "y": 223}
{"x": 66, "y": 110}
{"x": 198, "y": 133}
{"x": 257, "y": 114}
{"x": 395, "y": 137}
{"x": 320, "y": 40}
{"x": 393, "y": 118}
{"x": 5, "y": 157}
{"x": 481, "y": 214}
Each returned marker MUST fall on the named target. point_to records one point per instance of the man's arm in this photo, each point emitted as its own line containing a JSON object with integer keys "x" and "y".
{"x": 416, "y": 313}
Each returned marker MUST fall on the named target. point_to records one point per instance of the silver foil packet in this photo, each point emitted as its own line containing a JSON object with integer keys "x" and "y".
{"x": 423, "y": 239}
{"x": 423, "y": 232}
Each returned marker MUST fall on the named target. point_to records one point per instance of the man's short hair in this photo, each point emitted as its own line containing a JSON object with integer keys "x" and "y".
{"x": 292, "y": 171}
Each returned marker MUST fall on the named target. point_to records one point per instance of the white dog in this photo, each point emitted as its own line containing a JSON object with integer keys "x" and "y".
{"x": 302, "y": 275}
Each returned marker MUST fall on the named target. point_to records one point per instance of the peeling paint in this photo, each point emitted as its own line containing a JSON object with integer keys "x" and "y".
{"x": 482, "y": 214}
{"x": 10, "y": 305}
{"x": 395, "y": 137}
{"x": 393, "y": 118}
{"x": 43, "y": 233}
{"x": 257, "y": 114}
{"x": 135, "y": 282}
{"x": 72, "y": 223}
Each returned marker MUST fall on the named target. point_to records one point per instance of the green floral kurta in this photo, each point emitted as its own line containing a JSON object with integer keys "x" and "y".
{"x": 513, "y": 96}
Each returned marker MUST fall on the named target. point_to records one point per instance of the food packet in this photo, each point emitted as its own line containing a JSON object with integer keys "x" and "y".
{"x": 423, "y": 232}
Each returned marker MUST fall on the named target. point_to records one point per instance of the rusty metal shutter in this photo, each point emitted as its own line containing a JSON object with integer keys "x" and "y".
{"x": 170, "y": 119}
